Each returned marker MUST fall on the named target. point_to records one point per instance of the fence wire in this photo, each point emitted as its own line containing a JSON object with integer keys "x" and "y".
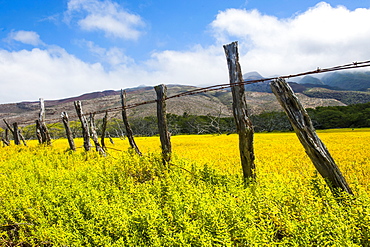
{"x": 353, "y": 65}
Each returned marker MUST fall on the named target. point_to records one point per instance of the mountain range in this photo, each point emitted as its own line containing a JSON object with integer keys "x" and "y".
{"x": 348, "y": 87}
{"x": 330, "y": 90}
{"x": 340, "y": 81}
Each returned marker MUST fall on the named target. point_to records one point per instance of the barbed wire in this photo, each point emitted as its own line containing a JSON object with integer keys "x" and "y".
{"x": 353, "y": 65}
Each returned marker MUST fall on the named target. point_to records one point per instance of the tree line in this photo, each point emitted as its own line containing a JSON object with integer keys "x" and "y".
{"x": 352, "y": 116}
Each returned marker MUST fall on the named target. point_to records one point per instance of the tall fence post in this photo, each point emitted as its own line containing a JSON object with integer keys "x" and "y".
{"x": 164, "y": 134}
{"x": 45, "y": 136}
{"x": 69, "y": 135}
{"x": 129, "y": 132}
{"x": 306, "y": 133}
{"x": 244, "y": 125}
{"x": 84, "y": 125}
{"x": 38, "y": 131}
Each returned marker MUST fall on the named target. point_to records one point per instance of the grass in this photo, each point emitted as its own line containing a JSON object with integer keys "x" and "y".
{"x": 53, "y": 197}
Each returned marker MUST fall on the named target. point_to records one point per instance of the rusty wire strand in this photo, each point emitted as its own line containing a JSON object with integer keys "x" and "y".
{"x": 353, "y": 65}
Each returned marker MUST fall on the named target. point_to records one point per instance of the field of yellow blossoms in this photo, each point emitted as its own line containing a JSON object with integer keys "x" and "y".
{"x": 51, "y": 196}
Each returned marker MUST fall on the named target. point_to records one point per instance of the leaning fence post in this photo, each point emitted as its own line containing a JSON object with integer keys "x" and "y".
{"x": 84, "y": 125}
{"x": 65, "y": 121}
{"x": 129, "y": 132}
{"x": 306, "y": 133}
{"x": 164, "y": 134}
{"x": 94, "y": 135}
{"x": 14, "y": 131}
{"x": 7, "y": 131}
{"x": 110, "y": 138}
{"x": 21, "y": 137}
{"x": 6, "y": 138}
{"x": 45, "y": 136}
{"x": 8, "y": 126}
{"x": 244, "y": 125}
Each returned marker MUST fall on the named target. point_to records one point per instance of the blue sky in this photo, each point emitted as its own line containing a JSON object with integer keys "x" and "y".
{"x": 56, "y": 49}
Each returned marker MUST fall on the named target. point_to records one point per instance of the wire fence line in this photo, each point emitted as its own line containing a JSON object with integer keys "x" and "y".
{"x": 353, "y": 65}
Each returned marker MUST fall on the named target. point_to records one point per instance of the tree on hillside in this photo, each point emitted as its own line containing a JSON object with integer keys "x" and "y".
{"x": 271, "y": 121}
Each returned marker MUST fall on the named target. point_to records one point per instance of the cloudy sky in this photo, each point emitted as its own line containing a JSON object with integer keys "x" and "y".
{"x": 57, "y": 49}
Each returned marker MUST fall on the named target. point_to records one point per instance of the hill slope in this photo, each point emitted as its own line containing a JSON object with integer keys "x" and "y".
{"x": 347, "y": 97}
{"x": 213, "y": 103}
{"x": 356, "y": 81}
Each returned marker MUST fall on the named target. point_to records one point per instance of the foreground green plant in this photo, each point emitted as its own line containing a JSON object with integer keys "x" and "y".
{"x": 50, "y": 197}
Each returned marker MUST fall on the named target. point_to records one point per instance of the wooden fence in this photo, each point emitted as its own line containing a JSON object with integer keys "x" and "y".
{"x": 297, "y": 115}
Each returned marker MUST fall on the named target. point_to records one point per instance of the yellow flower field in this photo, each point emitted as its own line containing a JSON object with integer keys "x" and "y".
{"x": 50, "y": 196}
{"x": 276, "y": 153}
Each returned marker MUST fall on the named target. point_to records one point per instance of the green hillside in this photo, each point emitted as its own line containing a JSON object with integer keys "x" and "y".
{"x": 354, "y": 81}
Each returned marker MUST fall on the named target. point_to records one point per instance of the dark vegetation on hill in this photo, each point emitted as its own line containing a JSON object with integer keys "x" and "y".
{"x": 352, "y": 116}
{"x": 347, "y": 97}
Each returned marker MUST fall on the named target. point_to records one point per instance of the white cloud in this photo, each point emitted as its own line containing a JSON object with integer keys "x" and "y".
{"x": 106, "y": 16}
{"x": 197, "y": 66}
{"x": 52, "y": 73}
{"x": 25, "y": 37}
{"x": 322, "y": 36}
{"x": 114, "y": 56}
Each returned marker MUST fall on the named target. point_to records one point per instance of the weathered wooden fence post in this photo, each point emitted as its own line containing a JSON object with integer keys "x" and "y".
{"x": 5, "y": 139}
{"x": 14, "y": 131}
{"x": 38, "y": 131}
{"x": 129, "y": 132}
{"x": 45, "y": 136}
{"x": 84, "y": 125}
{"x": 22, "y": 138}
{"x": 7, "y": 134}
{"x": 110, "y": 138}
{"x": 306, "y": 133}
{"x": 8, "y": 127}
{"x": 244, "y": 125}
{"x": 16, "y": 134}
{"x": 103, "y": 130}
{"x": 94, "y": 135}
{"x": 164, "y": 134}
{"x": 69, "y": 135}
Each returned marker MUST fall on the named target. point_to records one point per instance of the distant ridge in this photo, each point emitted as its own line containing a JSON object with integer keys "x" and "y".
{"x": 352, "y": 81}
{"x": 252, "y": 76}
{"x": 311, "y": 80}
{"x": 86, "y": 96}
{"x": 263, "y": 86}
